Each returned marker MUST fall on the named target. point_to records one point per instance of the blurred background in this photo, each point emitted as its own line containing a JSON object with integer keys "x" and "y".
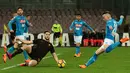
{"x": 44, "y": 12}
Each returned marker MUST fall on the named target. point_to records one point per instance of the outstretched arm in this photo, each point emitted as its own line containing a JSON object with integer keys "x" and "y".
{"x": 23, "y": 41}
{"x": 71, "y": 26}
{"x": 121, "y": 20}
{"x": 55, "y": 57}
{"x": 27, "y": 23}
{"x": 87, "y": 26}
{"x": 10, "y": 24}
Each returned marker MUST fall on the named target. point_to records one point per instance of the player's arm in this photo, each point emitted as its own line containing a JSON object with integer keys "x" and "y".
{"x": 24, "y": 41}
{"x": 71, "y": 26}
{"x": 52, "y": 50}
{"x": 55, "y": 57}
{"x": 61, "y": 29}
{"x": 10, "y": 24}
{"x": 27, "y": 23}
{"x": 121, "y": 20}
{"x": 87, "y": 26}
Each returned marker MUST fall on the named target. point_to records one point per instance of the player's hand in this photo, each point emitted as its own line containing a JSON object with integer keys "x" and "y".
{"x": 121, "y": 16}
{"x": 9, "y": 33}
{"x": 71, "y": 30}
{"x": 12, "y": 31}
{"x": 94, "y": 32}
{"x": 110, "y": 27}
{"x": 17, "y": 39}
{"x": 61, "y": 60}
{"x": 31, "y": 25}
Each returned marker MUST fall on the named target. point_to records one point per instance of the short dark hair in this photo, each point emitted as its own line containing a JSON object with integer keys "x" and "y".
{"x": 19, "y": 8}
{"x": 28, "y": 15}
{"x": 78, "y": 14}
{"x": 46, "y": 31}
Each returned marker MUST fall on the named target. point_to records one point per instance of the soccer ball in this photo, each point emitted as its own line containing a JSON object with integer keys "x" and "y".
{"x": 61, "y": 64}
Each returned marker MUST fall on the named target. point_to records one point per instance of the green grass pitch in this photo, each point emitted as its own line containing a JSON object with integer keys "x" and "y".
{"x": 117, "y": 61}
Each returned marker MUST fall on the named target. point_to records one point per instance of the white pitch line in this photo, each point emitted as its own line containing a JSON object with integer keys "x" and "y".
{"x": 13, "y": 66}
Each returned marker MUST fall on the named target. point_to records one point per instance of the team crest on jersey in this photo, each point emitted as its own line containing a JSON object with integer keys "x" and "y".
{"x": 78, "y": 25}
{"x": 22, "y": 21}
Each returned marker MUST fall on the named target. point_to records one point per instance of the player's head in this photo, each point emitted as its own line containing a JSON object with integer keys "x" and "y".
{"x": 56, "y": 22}
{"x": 20, "y": 11}
{"x": 78, "y": 16}
{"x": 47, "y": 35}
{"x": 106, "y": 16}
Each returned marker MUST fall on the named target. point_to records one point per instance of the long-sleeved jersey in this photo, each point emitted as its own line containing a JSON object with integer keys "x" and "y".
{"x": 21, "y": 23}
{"x": 78, "y": 25}
{"x": 110, "y": 23}
{"x": 56, "y": 28}
{"x": 116, "y": 24}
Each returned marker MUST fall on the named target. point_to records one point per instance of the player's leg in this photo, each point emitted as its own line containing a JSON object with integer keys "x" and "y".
{"x": 112, "y": 46}
{"x": 78, "y": 40}
{"x": 11, "y": 49}
{"x": 32, "y": 63}
{"x": 106, "y": 44}
{"x": 10, "y": 46}
{"x": 54, "y": 37}
{"x": 25, "y": 55}
{"x": 60, "y": 38}
{"x": 106, "y": 47}
{"x": 20, "y": 50}
{"x": 94, "y": 57}
{"x": 11, "y": 39}
{"x": 23, "y": 37}
{"x": 116, "y": 36}
{"x": 9, "y": 52}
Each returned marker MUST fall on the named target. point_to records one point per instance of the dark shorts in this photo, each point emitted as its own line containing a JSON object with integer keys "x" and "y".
{"x": 35, "y": 55}
{"x": 12, "y": 36}
{"x": 56, "y": 34}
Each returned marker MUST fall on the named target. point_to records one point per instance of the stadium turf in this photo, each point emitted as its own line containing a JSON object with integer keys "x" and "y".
{"x": 117, "y": 61}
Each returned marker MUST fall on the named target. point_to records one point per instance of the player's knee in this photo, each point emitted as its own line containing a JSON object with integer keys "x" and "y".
{"x": 78, "y": 44}
{"x": 15, "y": 45}
{"x": 32, "y": 63}
{"x": 107, "y": 51}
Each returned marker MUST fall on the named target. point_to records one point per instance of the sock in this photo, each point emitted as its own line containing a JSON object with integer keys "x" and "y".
{"x": 25, "y": 55}
{"x": 112, "y": 46}
{"x": 54, "y": 41}
{"x": 11, "y": 49}
{"x": 17, "y": 52}
{"x": 60, "y": 40}
{"x": 91, "y": 60}
{"x": 10, "y": 45}
{"x": 77, "y": 49}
